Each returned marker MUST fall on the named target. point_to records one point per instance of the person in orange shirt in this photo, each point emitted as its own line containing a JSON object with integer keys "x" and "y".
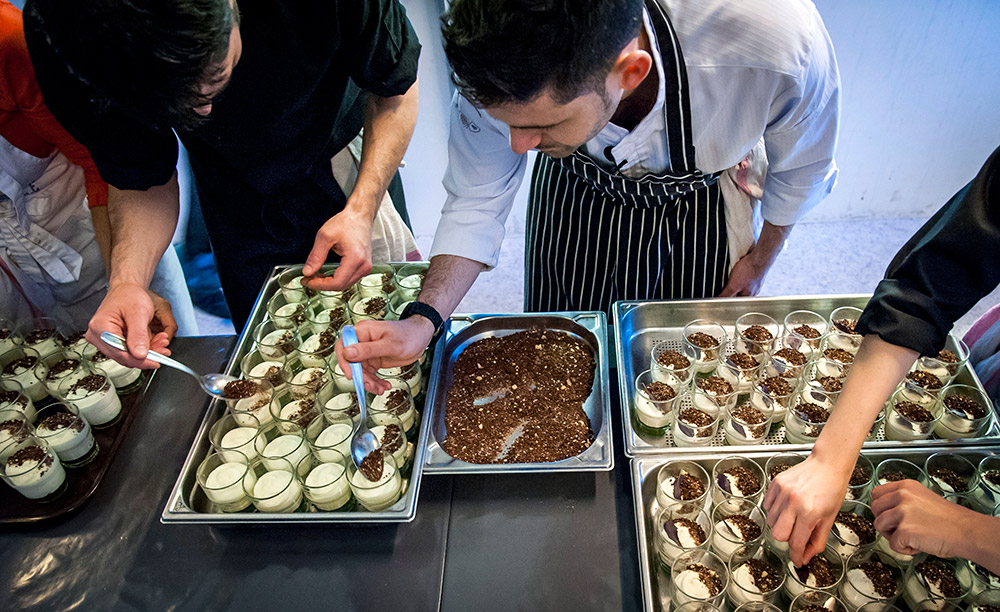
{"x": 54, "y": 255}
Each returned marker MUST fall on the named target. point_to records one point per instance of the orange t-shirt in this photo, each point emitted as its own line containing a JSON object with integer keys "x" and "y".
{"x": 25, "y": 121}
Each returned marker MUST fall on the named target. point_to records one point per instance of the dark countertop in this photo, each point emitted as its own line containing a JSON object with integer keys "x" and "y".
{"x": 479, "y": 543}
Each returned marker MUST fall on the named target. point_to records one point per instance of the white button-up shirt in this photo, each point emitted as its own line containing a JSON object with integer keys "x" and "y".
{"x": 756, "y": 68}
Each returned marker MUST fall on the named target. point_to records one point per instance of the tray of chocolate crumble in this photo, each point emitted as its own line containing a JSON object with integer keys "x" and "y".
{"x": 521, "y": 394}
{"x": 739, "y": 374}
{"x": 277, "y": 448}
{"x": 703, "y": 511}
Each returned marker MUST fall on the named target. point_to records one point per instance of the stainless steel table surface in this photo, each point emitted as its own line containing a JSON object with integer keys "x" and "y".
{"x": 479, "y": 543}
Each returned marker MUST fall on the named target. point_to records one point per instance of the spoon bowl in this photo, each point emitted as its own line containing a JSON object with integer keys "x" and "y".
{"x": 213, "y": 384}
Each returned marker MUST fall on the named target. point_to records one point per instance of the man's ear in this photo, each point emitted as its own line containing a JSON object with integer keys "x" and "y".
{"x": 632, "y": 66}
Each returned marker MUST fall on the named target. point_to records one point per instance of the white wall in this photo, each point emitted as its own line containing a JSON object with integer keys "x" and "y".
{"x": 921, "y": 83}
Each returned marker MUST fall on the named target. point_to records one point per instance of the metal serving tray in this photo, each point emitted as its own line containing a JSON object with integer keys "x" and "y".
{"x": 463, "y": 330}
{"x": 655, "y": 581}
{"x": 640, "y": 325}
{"x": 188, "y": 504}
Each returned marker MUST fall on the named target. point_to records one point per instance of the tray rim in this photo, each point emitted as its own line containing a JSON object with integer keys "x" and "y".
{"x": 623, "y": 307}
{"x": 176, "y": 511}
{"x": 637, "y": 464}
{"x": 456, "y": 466}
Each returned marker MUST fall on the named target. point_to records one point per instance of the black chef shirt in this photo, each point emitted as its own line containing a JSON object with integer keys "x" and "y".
{"x": 951, "y": 263}
{"x": 262, "y": 160}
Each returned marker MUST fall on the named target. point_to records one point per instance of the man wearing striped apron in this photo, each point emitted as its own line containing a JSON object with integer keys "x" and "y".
{"x": 637, "y": 111}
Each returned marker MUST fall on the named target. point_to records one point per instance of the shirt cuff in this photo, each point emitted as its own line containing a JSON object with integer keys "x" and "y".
{"x": 786, "y": 204}
{"x": 901, "y": 315}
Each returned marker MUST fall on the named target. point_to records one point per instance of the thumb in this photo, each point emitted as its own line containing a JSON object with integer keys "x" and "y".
{"x": 317, "y": 256}
{"x": 137, "y": 333}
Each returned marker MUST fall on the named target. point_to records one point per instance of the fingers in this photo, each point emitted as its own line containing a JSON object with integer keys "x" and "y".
{"x": 354, "y": 263}
{"x": 730, "y": 290}
{"x": 817, "y": 543}
{"x": 798, "y": 540}
{"x": 166, "y": 316}
{"x": 886, "y": 500}
{"x": 317, "y": 256}
{"x": 888, "y": 520}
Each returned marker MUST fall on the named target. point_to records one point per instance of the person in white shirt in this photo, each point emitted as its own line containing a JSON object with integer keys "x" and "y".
{"x": 636, "y": 110}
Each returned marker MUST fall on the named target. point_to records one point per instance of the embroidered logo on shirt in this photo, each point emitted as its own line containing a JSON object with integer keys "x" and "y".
{"x": 472, "y": 127}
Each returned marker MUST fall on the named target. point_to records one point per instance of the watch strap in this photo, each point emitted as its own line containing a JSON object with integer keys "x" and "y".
{"x": 426, "y": 311}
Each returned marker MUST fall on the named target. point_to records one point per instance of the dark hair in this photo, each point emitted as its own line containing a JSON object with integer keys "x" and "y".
{"x": 504, "y": 51}
{"x": 148, "y": 58}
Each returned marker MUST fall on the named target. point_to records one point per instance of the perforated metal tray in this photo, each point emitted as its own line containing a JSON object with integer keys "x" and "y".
{"x": 655, "y": 581}
{"x": 463, "y": 330}
{"x": 640, "y": 325}
{"x": 188, "y": 504}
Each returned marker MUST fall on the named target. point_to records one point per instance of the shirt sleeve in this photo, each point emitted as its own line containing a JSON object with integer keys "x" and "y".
{"x": 481, "y": 180}
{"x": 951, "y": 263}
{"x": 801, "y": 135}
{"x": 382, "y": 46}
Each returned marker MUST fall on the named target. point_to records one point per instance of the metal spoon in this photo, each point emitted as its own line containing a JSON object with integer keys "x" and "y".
{"x": 364, "y": 441}
{"x": 213, "y": 384}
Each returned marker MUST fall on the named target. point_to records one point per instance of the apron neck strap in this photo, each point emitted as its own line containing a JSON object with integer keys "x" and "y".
{"x": 676, "y": 104}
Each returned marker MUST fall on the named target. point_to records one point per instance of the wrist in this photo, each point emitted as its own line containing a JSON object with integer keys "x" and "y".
{"x": 363, "y": 203}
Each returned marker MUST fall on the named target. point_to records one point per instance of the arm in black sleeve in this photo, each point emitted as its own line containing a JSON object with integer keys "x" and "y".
{"x": 951, "y": 263}
{"x": 382, "y": 46}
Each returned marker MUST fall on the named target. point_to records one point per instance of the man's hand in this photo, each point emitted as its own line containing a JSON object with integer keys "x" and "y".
{"x": 142, "y": 317}
{"x": 748, "y": 274}
{"x": 915, "y": 519}
{"x": 349, "y": 234}
{"x": 385, "y": 344}
{"x": 802, "y": 503}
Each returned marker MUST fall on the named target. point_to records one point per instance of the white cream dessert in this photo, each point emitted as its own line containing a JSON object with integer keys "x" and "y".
{"x": 241, "y": 444}
{"x": 294, "y": 291}
{"x": 737, "y": 481}
{"x": 819, "y": 573}
{"x": 742, "y": 375}
{"x": 908, "y": 421}
{"x": 397, "y": 403}
{"x": 753, "y": 580}
{"x": 410, "y": 374}
{"x": 277, "y": 492}
{"x": 804, "y": 423}
{"x": 746, "y": 425}
{"x": 289, "y": 447}
{"x": 694, "y": 427}
{"x": 340, "y": 381}
{"x": 851, "y": 532}
{"x": 227, "y": 485}
{"x": 331, "y": 318}
{"x": 43, "y": 340}
{"x": 17, "y": 401}
{"x": 289, "y": 316}
{"x": 68, "y": 435}
{"x": 410, "y": 285}
{"x": 307, "y": 382}
{"x": 373, "y": 307}
{"x": 8, "y": 340}
{"x": 961, "y": 417}
{"x": 683, "y": 487}
{"x": 682, "y": 534}
{"x": 95, "y": 397}
{"x": 335, "y": 437}
{"x": 327, "y": 487}
{"x": 35, "y": 472}
{"x": 707, "y": 348}
{"x": 375, "y": 283}
{"x": 346, "y": 403}
{"x": 754, "y": 341}
{"x": 59, "y": 370}
{"x": 772, "y": 395}
{"x": 296, "y": 414}
{"x": 844, "y": 334}
{"x": 870, "y": 581}
{"x": 277, "y": 345}
{"x": 22, "y": 371}
{"x": 932, "y": 578}
{"x": 713, "y": 393}
{"x": 254, "y": 411}
{"x": 377, "y": 485}
{"x": 14, "y": 429}
{"x": 670, "y": 365}
{"x": 318, "y": 349}
{"x": 732, "y": 533}
{"x": 122, "y": 377}
{"x": 269, "y": 371}
{"x": 697, "y": 582}
{"x": 648, "y": 403}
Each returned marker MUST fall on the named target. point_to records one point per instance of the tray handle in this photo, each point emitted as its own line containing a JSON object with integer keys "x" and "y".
{"x": 457, "y": 323}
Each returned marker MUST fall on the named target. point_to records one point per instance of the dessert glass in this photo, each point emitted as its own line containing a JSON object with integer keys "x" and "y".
{"x": 918, "y": 586}
{"x": 860, "y": 486}
{"x": 255, "y": 367}
{"x": 694, "y": 426}
{"x": 951, "y": 476}
{"x": 226, "y": 480}
{"x": 15, "y": 428}
{"x": 743, "y": 587}
{"x": 90, "y": 391}
{"x": 809, "y": 601}
{"x": 255, "y": 411}
{"x": 392, "y": 440}
{"x": 378, "y": 281}
{"x": 286, "y": 450}
{"x": 326, "y": 484}
{"x": 328, "y": 313}
{"x": 409, "y": 280}
{"x": 373, "y": 307}
{"x": 909, "y": 424}
{"x": 237, "y": 439}
{"x": 666, "y": 363}
{"x": 44, "y": 338}
{"x": 288, "y": 309}
{"x": 857, "y": 589}
{"x": 728, "y": 538}
{"x": 755, "y": 334}
{"x": 740, "y": 375}
{"x": 737, "y": 478}
{"x": 878, "y": 606}
{"x": 777, "y": 464}
{"x": 329, "y": 435}
{"x": 67, "y": 433}
{"x": 714, "y": 393}
{"x": 56, "y": 366}
{"x": 796, "y": 584}
{"x": 12, "y": 395}
{"x": 653, "y": 416}
{"x": 411, "y": 374}
{"x": 276, "y": 490}
{"x": 293, "y": 409}
{"x": 937, "y": 605}
{"x": 10, "y": 336}
{"x": 956, "y": 422}
{"x": 290, "y": 284}
{"x": 341, "y": 404}
{"x": 825, "y": 373}
{"x": 945, "y": 369}
{"x": 803, "y": 424}
{"x": 847, "y": 541}
{"x": 841, "y": 336}
{"x": 894, "y": 470}
{"x": 275, "y": 343}
{"x": 747, "y": 425}
{"x": 125, "y": 379}
{"x": 804, "y": 331}
{"x": 670, "y": 491}
{"x": 674, "y": 537}
{"x": 697, "y": 606}
{"x": 34, "y": 470}
{"x": 379, "y": 495}
{"x": 786, "y": 361}
{"x": 989, "y": 482}
{"x": 396, "y": 402}
{"x": 981, "y": 601}
{"x": 685, "y": 585}
{"x": 18, "y": 365}
{"x": 703, "y": 344}
{"x": 770, "y": 395}
{"x": 317, "y": 348}
{"x": 302, "y": 380}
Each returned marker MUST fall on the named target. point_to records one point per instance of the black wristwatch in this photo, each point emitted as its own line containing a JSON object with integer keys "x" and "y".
{"x": 426, "y": 311}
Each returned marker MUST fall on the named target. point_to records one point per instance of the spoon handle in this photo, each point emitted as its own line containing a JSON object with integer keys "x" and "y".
{"x": 348, "y": 337}
{"x": 118, "y": 342}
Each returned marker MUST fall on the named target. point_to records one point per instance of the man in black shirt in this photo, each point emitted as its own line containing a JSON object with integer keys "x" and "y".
{"x": 263, "y": 96}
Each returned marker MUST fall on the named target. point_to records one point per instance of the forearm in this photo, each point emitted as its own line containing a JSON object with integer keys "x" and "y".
{"x": 772, "y": 238}
{"x": 877, "y": 369}
{"x": 448, "y": 280}
{"x": 982, "y": 546}
{"x": 389, "y": 124}
{"x": 142, "y": 225}
{"x": 102, "y": 233}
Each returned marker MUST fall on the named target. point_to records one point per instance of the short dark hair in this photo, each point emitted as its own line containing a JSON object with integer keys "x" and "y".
{"x": 148, "y": 58}
{"x": 508, "y": 51}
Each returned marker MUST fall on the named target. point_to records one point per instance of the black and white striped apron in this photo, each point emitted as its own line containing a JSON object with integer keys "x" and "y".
{"x": 596, "y": 236}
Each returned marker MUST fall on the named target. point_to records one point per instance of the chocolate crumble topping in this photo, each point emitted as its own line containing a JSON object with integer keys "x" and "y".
{"x": 914, "y": 412}
{"x": 861, "y": 475}
{"x": 807, "y": 332}
{"x": 697, "y": 418}
{"x": 831, "y": 384}
{"x": 746, "y": 481}
{"x": 944, "y": 576}
{"x": 9, "y": 397}
{"x": 27, "y": 362}
{"x": 819, "y": 568}
{"x": 839, "y": 355}
{"x": 992, "y": 476}
{"x": 965, "y": 406}
{"x": 893, "y": 476}
{"x": 776, "y": 385}
{"x": 74, "y": 338}
{"x": 273, "y": 376}
{"x": 715, "y": 385}
{"x": 62, "y": 420}
{"x": 697, "y": 533}
{"x": 5, "y": 333}
{"x": 813, "y": 608}
{"x": 391, "y": 440}
{"x": 779, "y": 468}
{"x": 861, "y": 526}
{"x": 660, "y": 392}
{"x": 848, "y": 326}
{"x": 90, "y": 383}
{"x": 688, "y": 487}
{"x": 925, "y": 379}
{"x": 327, "y": 343}
{"x": 812, "y": 413}
{"x": 673, "y": 359}
{"x": 758, "y": 333}
{"x": 947, "y": 356}
{"x": 703, "y": 340}
{"x": 372, "y": 465}
{"x": 950, "y": 478}
{"x": 749, "y": 415}
{"x": 374, "y": 306}
{"x": 398, "y": 401}
{"x": 883, "y": 577}
{"x": 792, "y": 356}
{"x": 743, "y": 361}
{"x": 31, "y": 453}
{"x": 709, "y": 578}
{"x": 40, "y": 335}
{"x": 240, "y": 389}
{"x": 61, "y": 367}
{"x": 747, "y": 528}
{"x": 765, "y": 576}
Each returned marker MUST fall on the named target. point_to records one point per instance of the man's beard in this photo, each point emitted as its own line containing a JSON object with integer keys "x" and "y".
{"x": 559, "y": 150}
